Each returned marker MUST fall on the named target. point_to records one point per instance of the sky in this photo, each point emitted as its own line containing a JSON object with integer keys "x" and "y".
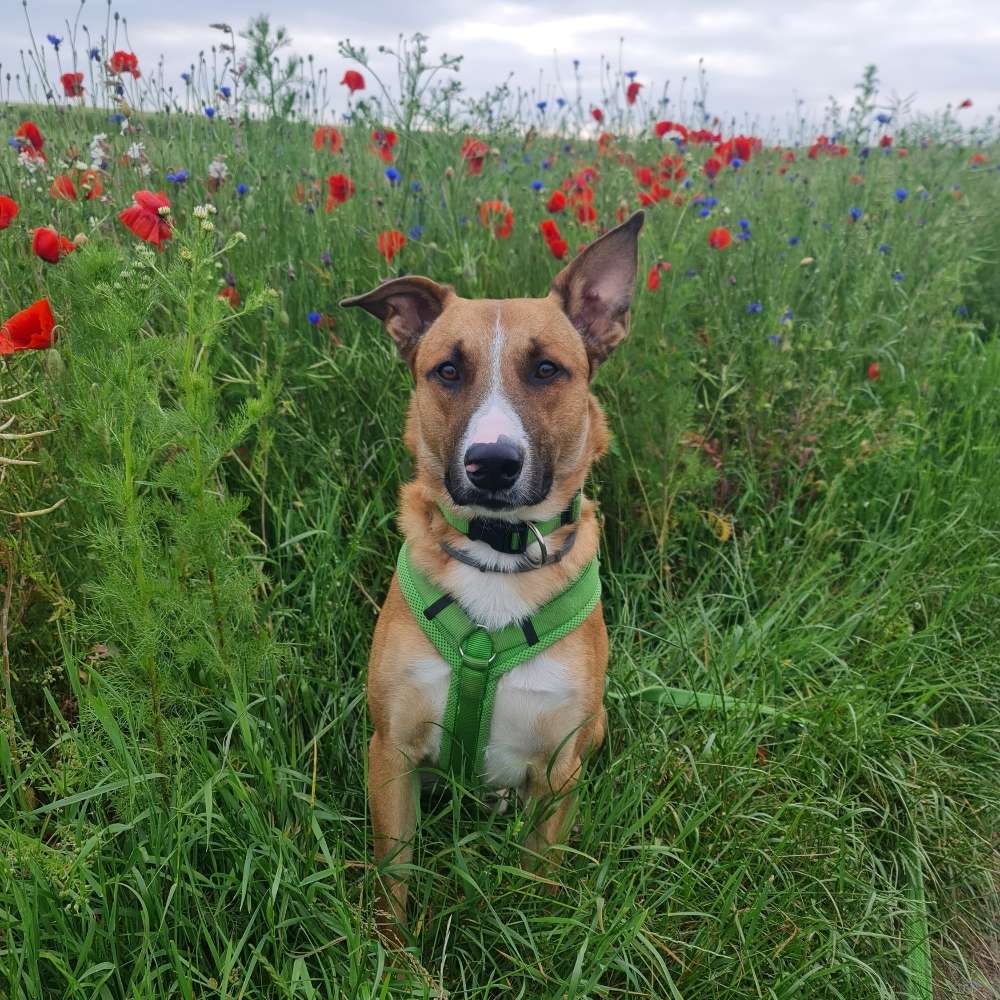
{"x": 761, "y": 56}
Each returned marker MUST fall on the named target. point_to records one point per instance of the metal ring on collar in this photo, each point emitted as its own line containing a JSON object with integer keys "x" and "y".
{"x": 541, "y": 545}
{"x": 475, "y": 662}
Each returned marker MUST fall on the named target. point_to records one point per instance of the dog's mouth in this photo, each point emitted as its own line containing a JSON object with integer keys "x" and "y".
{"x": 521, "y": 494}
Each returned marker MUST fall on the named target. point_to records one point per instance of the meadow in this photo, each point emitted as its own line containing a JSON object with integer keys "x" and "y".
{"x": 199, "y": 463}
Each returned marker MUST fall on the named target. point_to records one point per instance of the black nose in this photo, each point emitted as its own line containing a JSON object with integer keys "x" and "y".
{"x": 493, "y": 467}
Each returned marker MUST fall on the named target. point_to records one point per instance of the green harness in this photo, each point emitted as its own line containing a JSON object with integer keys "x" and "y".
{"x": 479, "y": 658}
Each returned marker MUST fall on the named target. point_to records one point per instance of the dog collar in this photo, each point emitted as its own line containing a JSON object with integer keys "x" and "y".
{"x": 479, "y": 658}
{"x": 513, "y": 537}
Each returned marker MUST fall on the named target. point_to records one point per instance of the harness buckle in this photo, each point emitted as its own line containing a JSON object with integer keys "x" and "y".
{"x": 476, "y": 662}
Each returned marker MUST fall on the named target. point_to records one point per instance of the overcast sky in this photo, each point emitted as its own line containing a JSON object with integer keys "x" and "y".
{"x": 760, "y": 55}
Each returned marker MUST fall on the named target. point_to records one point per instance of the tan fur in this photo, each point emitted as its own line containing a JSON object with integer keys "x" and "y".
{"x": 564, "y": 423}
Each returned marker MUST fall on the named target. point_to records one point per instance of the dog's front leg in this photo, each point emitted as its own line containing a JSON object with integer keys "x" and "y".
{"x": 392, "y": 800}
{"x": 550, "y": 793}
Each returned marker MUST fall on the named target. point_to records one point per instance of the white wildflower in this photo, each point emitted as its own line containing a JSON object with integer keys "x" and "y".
{"x": 136, "y": 152}
{"x": 217, "y": 169}
{"x": 200, "y": 212}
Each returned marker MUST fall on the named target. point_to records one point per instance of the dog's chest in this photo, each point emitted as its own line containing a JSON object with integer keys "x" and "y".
{"x": 527, "y": 717}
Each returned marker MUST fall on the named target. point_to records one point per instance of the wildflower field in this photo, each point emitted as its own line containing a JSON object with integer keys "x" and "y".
{"x": 199, "y": 462}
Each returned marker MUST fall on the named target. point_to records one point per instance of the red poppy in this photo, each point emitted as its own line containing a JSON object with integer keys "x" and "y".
{"x": 28, "y": 330}
{"x": 353, "y": 80}
{"x": 653, "y": 278}
{"x": 967, "y": 103}
{"x": 719, "y": 238}
{"x": 977, "y": 159}
{"x": 63, "y": 187}
{"x": 553, "y": 238}
{"x": 148, "y": 217}
{"x": 8, "y": 211}
{"x": 340, "y": 187}
{"x": 662, "y": 128}
{"x": 90, "y": 184}
{"x": 383, "y": 139}
{"x": 712, "y": 166}
{"x": 390, "y": 242}
{"x": 855, "y": 179}
{"x": 29, "y": 131}
{"x": 124, "y": 62}
{"x": 503, "y": 213}
{"x": 885, "y": 141}
{"x": 231, "y": 295}
{"x": 72, "y": 84}
{"x": 739, "y": 147}
{"x": 656, "y": 192}
{"x": 644, "y": 175}
{"x": 597, "y": 114}
{"x": 556, "y": 203}
{"x": 326, "y": 136}
{"x": 474, "y": 153}
{"x": 50, "y": 246}
{"x": 604, "y": 141}
{"x": 873, "y": 372}
{"x": 632, "y": 91}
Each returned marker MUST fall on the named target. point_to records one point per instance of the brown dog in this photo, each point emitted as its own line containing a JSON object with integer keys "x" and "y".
{"x": 504, "y": 429}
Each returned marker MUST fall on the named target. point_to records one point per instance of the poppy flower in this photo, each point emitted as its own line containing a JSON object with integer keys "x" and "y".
{"x": 632, "y": 92}
{"x": 873, "y": 372}
{"x": 653, "y": 278}
{"x": 474, "y": 153}
{"x": 662, "y": 128}
{"x": 30, "y": 131}
{"x": 976, "y": 160}
{"x": 231, "y": 295}
{"x": 740, "y": 147}
{"x": 383, "y": 139}
{"x": 64, "y": 188}
{"x": 327, "y": 137}
{"x": 89, "y": 182}
{"x": 340, "y": 187}
{"x": 148, "y": 217}
{"x": 8, "y": 211}
{"x": 72, "y": 84}
{"x": 604, "y": 141}
{"x": 719, "y": 238}
{"x": 389, "y": 243}
{"x": 644, "y": 175}
{"x": 503, "y": 213}
{"x": 885, "y": 142}
{"x": 597, "y": 114}
{"x": 967, "y": 103}
{"x": 124, "y": 62}
{"x": 28, "y": 330}
{"x": 556, "y": 203}
{"x": 553, "y": 238}
{"x": 353, "y": 80}
{"x": 712, "y": 166}
{"x": 50, "y": 246}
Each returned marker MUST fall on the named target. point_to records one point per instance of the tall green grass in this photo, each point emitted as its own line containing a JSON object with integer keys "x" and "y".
{"x": 182, "y": 810}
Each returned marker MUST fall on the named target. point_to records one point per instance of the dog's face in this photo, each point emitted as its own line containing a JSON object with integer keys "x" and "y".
{"x": 502, "y": 416}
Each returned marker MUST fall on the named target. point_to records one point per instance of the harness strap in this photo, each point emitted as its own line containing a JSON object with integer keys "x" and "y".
{"x": 512, "y": 537}
{"x": 479, "y": 658}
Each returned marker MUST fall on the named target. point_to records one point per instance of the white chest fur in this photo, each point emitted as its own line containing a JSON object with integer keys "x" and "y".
{"x": 523, "y": 696}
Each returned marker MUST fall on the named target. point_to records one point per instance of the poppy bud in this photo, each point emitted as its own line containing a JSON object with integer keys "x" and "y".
{"x": 80, "y": 239}
{"x": 54, "y": 364}
{"x": 449, "y": 172}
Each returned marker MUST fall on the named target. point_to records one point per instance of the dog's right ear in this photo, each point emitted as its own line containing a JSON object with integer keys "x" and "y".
{"x": 407, "y": 307}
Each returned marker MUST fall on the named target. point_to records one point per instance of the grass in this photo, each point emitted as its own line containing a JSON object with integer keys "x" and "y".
{"x": 183, "y": 804}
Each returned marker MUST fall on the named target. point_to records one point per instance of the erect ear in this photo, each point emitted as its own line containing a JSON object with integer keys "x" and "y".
{"x": 407, "y": 307}
{"x": 595, "y": 289}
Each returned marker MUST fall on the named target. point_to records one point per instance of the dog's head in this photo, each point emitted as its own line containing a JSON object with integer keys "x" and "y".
{"x": 502, "y": 417}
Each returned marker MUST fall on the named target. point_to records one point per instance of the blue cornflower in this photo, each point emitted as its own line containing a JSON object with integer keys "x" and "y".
{"x": 736, "y": 163}
{"x": 744, "y": 223}
{"x": 542, "y": 105}
{"x": 463, "y": 220}
{"x": 753, "y": 308}
{"x": 546, "y": 164}
{"x": 325, "y": 258}
{"x": 561, "y": 102}
{"x": 95, "y": 55}
{"x": 117, "y": 118}
{"x": 632, "y": 74}
{"x": 241, "y": 189}
{"x": 526, "y": 158}
{"x": 392, "y": 175}
{"x": 793, "y": 241}
{"x": 314, "y": 318}
{"x": 884, "y": 248}
{"x": 775, "y": 339}
{"x": 119, "y": 90}
{"x": 568, "y": 148}
{"x": 186, "y": 77}
{"x": 226, "y": 92}
{"x": 416, "y": 187}
{"x": 924, "y": 194}
{"x": 786, "y": 316}
{"x": 54, "y": 41}
{"x": 415, "y": 232}
{"x": 710, "y": 202}
{"x": 209, "y": 111}
{"x": 897, "y": 275}
{"x": 882, "y": 118}
{"x": 687, "y": 182}
{"x": 744, "y": 235}
{"x": 901, "y": 194}
{"x": 962, "y": 310}
{"x": 864, "y": 152}
{"x": 856, "y": 214}
{"x": 704, "y": 213}
{"x": 576, "y": 64}
{"x": 177, "y": 176}
{"x": 537, "y": 185}
{"x": 14, "y": 142}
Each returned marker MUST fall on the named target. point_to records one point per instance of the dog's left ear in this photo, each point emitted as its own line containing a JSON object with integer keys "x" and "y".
{"x": 595, "y": 290}
{"x": 407, "y": 307}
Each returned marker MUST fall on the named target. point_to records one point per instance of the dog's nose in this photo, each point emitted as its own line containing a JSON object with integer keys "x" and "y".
{"x": 493, "y": 467}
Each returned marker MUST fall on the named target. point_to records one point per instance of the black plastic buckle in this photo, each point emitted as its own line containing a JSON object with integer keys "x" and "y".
{"x": 503, "y": 536}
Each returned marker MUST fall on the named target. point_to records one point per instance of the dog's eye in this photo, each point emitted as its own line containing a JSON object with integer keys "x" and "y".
{"x": 545, "y": 370}
{"x": 448, "y": 372}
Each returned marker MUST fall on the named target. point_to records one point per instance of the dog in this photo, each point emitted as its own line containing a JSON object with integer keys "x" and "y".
{"x": 496, "y": 591}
